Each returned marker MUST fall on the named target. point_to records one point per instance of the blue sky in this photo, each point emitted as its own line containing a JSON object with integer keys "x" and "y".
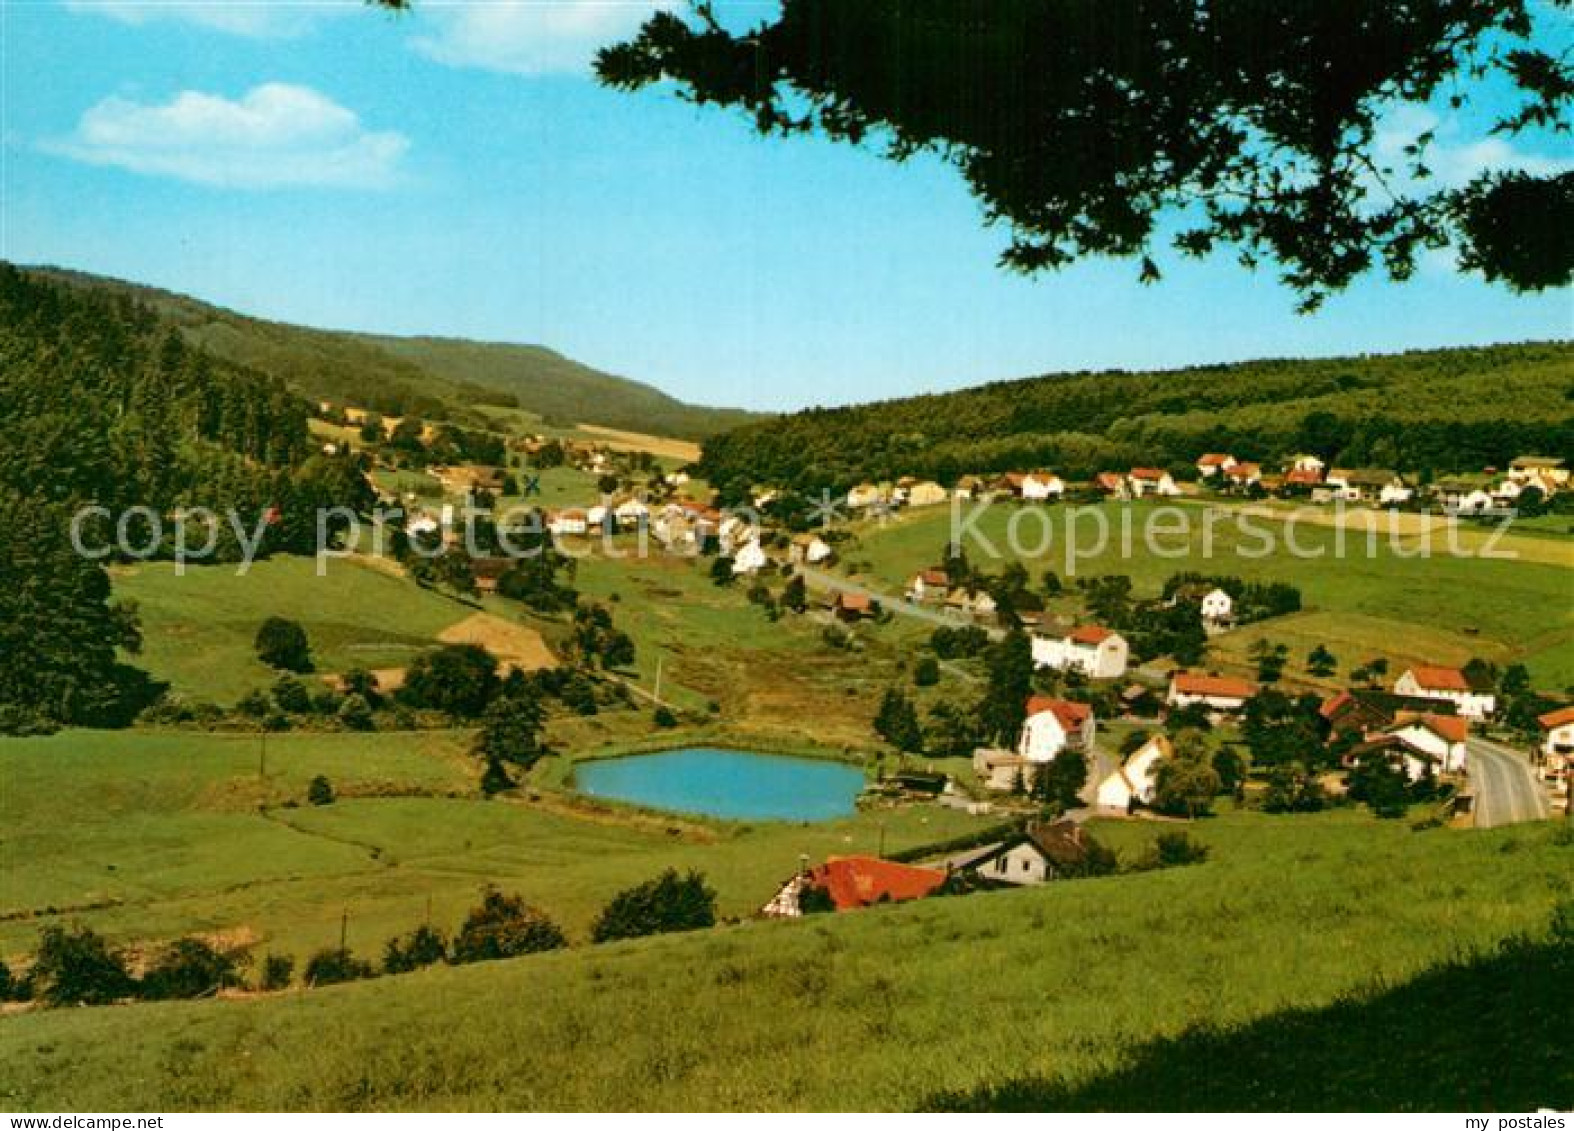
{"x": 457, "y": 172}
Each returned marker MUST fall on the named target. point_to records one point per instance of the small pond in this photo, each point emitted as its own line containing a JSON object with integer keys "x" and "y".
{"x": 729, "y": 784}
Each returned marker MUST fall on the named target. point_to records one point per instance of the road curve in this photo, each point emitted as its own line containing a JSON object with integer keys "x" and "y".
{"x": 1506, "y": 789}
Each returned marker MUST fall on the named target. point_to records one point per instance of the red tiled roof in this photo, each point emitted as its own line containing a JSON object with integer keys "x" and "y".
{"x": 1439, "y": 679}
{"x": 1304, "y": 476}
{"x": 1109, "y": 480}
{"x": 858, "y": 881}
{"x": 1090, "y": 634}
{"x": 1332, "y": 707}
{"x": 1217, "y": 686}
{"x": 1454, "y": 728}
{"x": 858, "y": 602}
{"x": 1071, "y": 715}
{"x": 1213, "y": 459}
{"x": 1147, "y": 473}
{"x": 1244, "y": 470}
{"x": 1561, "y": 717}
{"x": 935, "y": 577}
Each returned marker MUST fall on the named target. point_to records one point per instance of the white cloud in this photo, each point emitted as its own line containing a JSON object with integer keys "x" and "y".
{"x": 529, "y": 36}
{"x": 1454, "y": 162}
{"x": 256, "y": 18}
{"x": 277, "y": 135}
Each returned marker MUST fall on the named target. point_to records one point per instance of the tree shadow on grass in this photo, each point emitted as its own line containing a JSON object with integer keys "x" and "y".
{"x": 1494, "y": 1033}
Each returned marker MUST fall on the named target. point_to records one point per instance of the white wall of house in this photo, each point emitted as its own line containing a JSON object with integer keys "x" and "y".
{"x": 1218, "y": 606}
{"x": 1020, "y": 864}
{"x": 1041, "y": 487}
{"x": 1105, "y": 660}
{"x": 750, "y": 559}
{"x": 1450, "y": 755}
{"x": 1471, "y": 704}
{"x": 1559, "y": 741}
{"x": 1044, "y": 737}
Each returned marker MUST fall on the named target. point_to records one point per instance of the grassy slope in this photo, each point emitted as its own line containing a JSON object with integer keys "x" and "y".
{"x": 148, "y": 835}
{"x": 1443, "y": 607}
{"x": 880, "y": 1009}
{"x": 200, "y": 629}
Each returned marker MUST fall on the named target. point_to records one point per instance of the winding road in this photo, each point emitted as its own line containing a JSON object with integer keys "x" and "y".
{"x": 1507, "y": 791}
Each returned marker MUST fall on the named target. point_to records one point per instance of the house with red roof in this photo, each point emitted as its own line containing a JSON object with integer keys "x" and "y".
{"x": 928, "y": 585}
{"x": 1096, "y": 652}
{"x": 848, "y": 883}
{"x": 1557, "y": 737}
{"x": 1213, "y": 463}
{"x": 1216, "y": 692}
{"x": 1151, "y": 481}
{"x": 1053, "y": 725}
{"x": 1440, "y": 736}
{"x": 1451, "y": 685}
{"x": 1042, "y": 485}
{"x": 1112, "y": 483}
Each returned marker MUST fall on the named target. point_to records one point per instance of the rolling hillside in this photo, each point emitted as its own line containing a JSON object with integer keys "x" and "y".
{"x": 428, "y": 377}
{"x": 1438, "y": 410}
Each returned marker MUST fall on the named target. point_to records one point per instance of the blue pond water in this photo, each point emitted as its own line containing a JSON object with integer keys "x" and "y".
{"x": 729, "y": 784}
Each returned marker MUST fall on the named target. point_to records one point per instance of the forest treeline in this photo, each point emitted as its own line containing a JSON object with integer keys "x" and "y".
{"x": 1438, "y": 411}
{"x": 106, "y": 405}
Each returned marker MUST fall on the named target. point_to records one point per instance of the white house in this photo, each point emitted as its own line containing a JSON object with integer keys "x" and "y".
{"x": 750, "y": 559}
{"x": 1415, "y": 762}
{"x": 1526, "y": 468}
{"x": 1039, "y": 853}
{"x": 865, "y": 495}
{"x": 1306, "y": 463}
{"x": 808, "y": 549}
{"x": 926, "y": 494}
{"x": 928, "y": 585}
{"x": 971, "y": 602}
{"x": 1097, "y": 653}
{"x": 1041, "y": 485}
{"x": 1217, "y": 692}
{"x": 1441, "y": 736}
{"x": 1151, "y": 481}
{"x": 1212, "y": 463}
{"x": 1557, "y": 737}
{"x": 572, "y": 521}
{"x": 1052, "y": 725}
{"x": 1218, "y": 607}
{"x": 596, "y": 516}
{"x": 1137, "y": 778}
{"x": 1425, "y": 681}
{"x": 1394, "y": 492}
{"x": 630, "y": 513}
{"x": 733, "y": 533}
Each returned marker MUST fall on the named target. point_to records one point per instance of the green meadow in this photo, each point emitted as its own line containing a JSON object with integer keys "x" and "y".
{"x": 1389, "y": 599}
{"x": 1317, "y": 927}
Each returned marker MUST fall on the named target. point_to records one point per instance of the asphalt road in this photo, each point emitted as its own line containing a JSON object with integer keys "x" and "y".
{"x": 1505, "y": 786}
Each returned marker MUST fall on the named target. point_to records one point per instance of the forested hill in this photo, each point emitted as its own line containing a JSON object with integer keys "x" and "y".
{"x": 1439, "y": 410}
{"x": 432, "y": 378}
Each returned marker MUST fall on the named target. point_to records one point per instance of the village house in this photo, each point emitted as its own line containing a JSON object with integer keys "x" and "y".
{"x": 1557, "y": 738}
{"x": 926, "y": 494}
{"x": 1428, "y": 681}
{"x": 1441, "y": 736}
{"x": 808, "y": 549}
{"x": 928, "y": 585}
{"x": 1136, "y": 780}
{"x": 751, "y": 558}
{"x": 865, "y": 495}
{"x": 1413, "y": 761}
{"x": 1039, "y": 486}
{"x": 1548, "y": 468}
{"x": 1363, "y": 712}
{"x": 1216, "y": 692}
{"x": 1153, "y": 481}
{"x": 598, "y": 517}
{"x": 631, "y": 513}
{"x": 569, "y": 521}
{"x": 1214, "y": 463}
{"x": 1053, "y": 725}
{"x": 1040, "y": 853}
{"x": 1299, "y": 479}
{"x": 851, "y": 606}
{"x": 1305, "y": 463}
{"x": 1111, "y": 483}
{"x": 971, "y": 603}
{"x": 735, "y": 532}
{"x": 1001, "y": 770}
{"x": 1098, "y": 653}
{"x": 1462, "y": 496}
{"x": 848, "y": 883}
{"x": 969, "y": 487}
{"x": 488, "y": 572}
{"x": 1368, "y": 485}
{"x": 1218, "y": 608}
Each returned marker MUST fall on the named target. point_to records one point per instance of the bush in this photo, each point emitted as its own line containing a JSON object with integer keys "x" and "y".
{"x": 495, "y": 778}
{"x": 355, "y": 713}
{"x": 336, "y": 964}
{"x": 292, "y": 696}
{"x": 254, "y": 703}
{"x": 668, "y": 903}
{"x": 189, "y": 968}
{"x": 665, "y": 718}
{"x": 277, "y": 970}
{"x": 1171, "y": 850}
{"x": 504, "y": 926}
{"x": 457, "y": 678}
{"x": 424, "y": 946}
{"x": 320, "y": 791}
{"x": 926, "y": 673}
{"x": 282, "y": 644}
{"x": 78, "y": 967}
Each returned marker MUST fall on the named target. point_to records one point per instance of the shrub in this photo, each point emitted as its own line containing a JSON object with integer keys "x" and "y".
{"x": 355, "y": 713}
{"x": 1171, "y": 850}
{"x": 504, "y": 926}
{"x": 926, "y": 673}
{"x": 254, "y": 703}
{"x": 424, "y": 946}
{"x": 189, "y": 968}
{"x": 277, "y": 970}
{"x": 495, "y": 779}
{"x": 320, "y": 791}
{"x": 336, "y": 964}
{"x": 78, "y": 967}
{"x": 668, "y": 903}
{"x": 282, "y": 644}
{"x": 291, "y": 696}
{"x": 665, "y": 718}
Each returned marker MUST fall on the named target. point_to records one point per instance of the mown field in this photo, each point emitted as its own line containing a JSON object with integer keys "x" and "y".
{"x": 1391, "y": 602}
{"x": 1339, "y": 918}
{"x": 199, "y": 630}
{"x": 148, "y": 835}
